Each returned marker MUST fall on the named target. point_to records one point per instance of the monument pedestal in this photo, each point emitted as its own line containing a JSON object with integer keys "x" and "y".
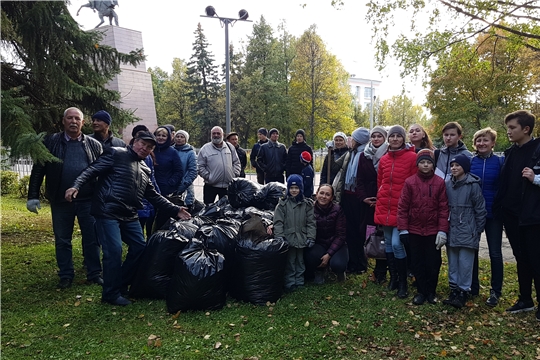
{"x": 134, "y": 83}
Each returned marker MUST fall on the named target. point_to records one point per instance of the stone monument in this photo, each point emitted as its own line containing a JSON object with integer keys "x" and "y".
{"x": 134, "y": 83}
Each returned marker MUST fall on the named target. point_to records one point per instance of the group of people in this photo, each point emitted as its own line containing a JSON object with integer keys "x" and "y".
{"x": 423, "y": 199}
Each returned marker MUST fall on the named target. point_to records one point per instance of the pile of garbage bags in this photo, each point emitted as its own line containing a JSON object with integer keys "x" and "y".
{"x": 223, "y": 249}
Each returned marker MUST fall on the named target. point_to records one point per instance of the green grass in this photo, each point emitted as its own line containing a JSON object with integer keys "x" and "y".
{"x": 352, "y": 320}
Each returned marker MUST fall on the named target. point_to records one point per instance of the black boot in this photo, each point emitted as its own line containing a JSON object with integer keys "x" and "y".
{"x": 380, "y": 271}
{"x": 401, "y": 265}
{"x": 450, "y": 299}
{"x": 390, "y": 260}
{"x": 460, "y": 300}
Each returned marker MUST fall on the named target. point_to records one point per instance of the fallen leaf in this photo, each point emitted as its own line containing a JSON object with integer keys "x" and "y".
{"x": 206, "y": 337}
{"x": 66, "y": 325}
{"x": 306, "y": 324}
{"x": 217, "y": 345}
{"x": 335, "y": 323}
{"x": 351, "y": 293}
{"x": 77, "y": 303}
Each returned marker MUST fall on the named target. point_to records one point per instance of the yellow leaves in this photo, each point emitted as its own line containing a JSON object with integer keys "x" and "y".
{"x": 335, "y": 323}
{"x": 65, "y": 325}
{"x": 154, "y": 341}
{"x": 206, "y": 337}
{"x": 217, "y": 345}
{"x": 306, "y": 324}
{"x": 437, "y": 336}
{"x": 96, "y": 46}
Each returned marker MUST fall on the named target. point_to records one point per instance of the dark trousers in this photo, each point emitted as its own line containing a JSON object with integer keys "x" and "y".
{"x": 147, "y": 224}
{"x": 260, "y": 177}
{"x": 426, "y": 262}
{"x": 210, "y": 192}
{"x": 525, "y": 244}
{"x": 356, "y": 232}
{"x": 313, "y": 255}
{"x": 274, "y": 178}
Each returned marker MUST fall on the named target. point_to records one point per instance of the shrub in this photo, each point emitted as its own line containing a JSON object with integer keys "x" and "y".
{"x": 9, "y": 182}
{"x": 23, "y": 186}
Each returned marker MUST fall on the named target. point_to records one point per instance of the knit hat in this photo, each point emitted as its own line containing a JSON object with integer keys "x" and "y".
{"x": 340, "y": 134}
{"x": 463, "y": 161}
{"x": 273, "y": 130}
{"x": 185, "y": 133}
{"x": 361, "y": 135}
{"x": 103, "y": 116}
{"x": 301, "y": 132}
{"x": 297, "y": 180}
{"x": 379, "y": 129}
{"x": 138, "y": 128}
{"x": 305, "y": 157}
{"x": 397, "y": 129}
{"x": 425, "y": 154}
{"x": 262, "y": 131}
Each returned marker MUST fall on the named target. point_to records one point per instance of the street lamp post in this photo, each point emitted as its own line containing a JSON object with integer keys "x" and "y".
{"x": 242, "y": 16}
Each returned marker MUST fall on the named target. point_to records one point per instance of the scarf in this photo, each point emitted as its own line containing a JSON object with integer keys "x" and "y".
{"x": 375, "y": 154}
{"x": 352, "y": 168}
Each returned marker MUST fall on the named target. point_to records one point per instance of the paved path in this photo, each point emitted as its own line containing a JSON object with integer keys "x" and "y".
{"x": 483, "y": 252}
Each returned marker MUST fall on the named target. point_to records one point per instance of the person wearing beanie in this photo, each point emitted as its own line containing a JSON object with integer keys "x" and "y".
{"x": 138, "y": 128}
{"x": 452, "y": 133}
{"x": 394, "y": 168}
{"x": 272, "y": 158}
{"x": 299, "y": 145}
{"x": 262, "y": 139}
{"x": 308, "y": 174}
{"x": 232, "y": 138}
{"x": 423, "y": 222}
{"x": 294, "y": 222}
{"x": 347, "y": 194}
{"x": 467, "y": 220}
{"x": 188, "y": 160}
{"x": 101, "y": 122}
{"x": 336, "y": 149}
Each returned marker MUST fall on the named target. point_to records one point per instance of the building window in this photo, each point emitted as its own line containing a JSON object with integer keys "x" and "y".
{"x": 367, "y": 92}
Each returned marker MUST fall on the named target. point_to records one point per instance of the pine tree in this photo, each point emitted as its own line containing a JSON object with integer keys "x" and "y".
{"x": 203, "y": 80}
{"x": 50, "y": 64}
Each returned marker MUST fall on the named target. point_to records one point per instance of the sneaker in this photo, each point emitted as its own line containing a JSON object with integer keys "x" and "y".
{"x": 450, "y": 299}
{"x": 64, "y": 283}
{"x": 432, "y": 298}
{"x": 521, "y": 306}
{"x": 98, "y": 280}
{"x": 493, "y": 299}
{"x": 460, "y": 300}
{"x": 120, "y": 301}
{"x": 419, "y": 299}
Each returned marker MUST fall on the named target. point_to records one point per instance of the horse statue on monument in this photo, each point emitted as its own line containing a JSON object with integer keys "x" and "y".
{"x": 105, "y": 8}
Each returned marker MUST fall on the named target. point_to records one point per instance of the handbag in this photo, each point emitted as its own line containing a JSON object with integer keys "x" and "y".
{"x": 374, "y": 247}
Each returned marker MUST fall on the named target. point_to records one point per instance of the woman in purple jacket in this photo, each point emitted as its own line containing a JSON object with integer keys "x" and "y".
{"x": 330, "y": 249}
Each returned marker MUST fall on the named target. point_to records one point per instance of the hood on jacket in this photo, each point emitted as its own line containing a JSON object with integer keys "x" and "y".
{"x": 185, "y": 147}
{"x": 168, "y": 142}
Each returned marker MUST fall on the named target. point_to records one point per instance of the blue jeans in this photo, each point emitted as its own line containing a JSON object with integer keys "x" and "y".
{"x": 63, "y": 220}
{"x": 117, "y": 275}
{"x": 493, "y": 231}
{"x": 393, "y": 245}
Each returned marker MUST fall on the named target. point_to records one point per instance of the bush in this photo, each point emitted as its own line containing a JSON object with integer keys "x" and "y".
{"x": 9, "y": 182}
{"x": 23, "y": 186}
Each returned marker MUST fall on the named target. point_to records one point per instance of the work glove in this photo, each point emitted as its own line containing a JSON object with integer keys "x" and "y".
{"x": 404, "y": 237}
{"x": 330, "y": 144}
{"x": 33, "y": 205}
{"x": 310, "y": 243}
{"x": 281, "y": 238}
{"x": 440, "y": 240}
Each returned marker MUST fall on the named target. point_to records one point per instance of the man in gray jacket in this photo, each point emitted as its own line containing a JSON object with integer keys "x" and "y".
{"x": 217, "y": 164}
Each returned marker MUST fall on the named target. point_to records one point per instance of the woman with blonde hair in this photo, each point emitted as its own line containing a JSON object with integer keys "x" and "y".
{"x": 419, "y": 138}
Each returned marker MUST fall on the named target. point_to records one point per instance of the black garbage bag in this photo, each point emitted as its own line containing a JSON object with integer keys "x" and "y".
{"x": 268, "y": 196}
{"x": 157, "y": 264}
{"x": 198, "y": 281}
{"x": 241, "y": 192}
{"x": 265, "y": 214}
{"x": 259, "y": 270}
{"x": 201, "y": 220}
{"x": 215, "y": 210}
{"x": 233, "y": 213}
{"x": 220, "y": 236}
{"x": 196, "y": 207}
{"x": 184, "y": 228}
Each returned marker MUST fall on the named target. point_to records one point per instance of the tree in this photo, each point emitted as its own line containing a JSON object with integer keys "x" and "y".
{"x": 50, "y": 64}
{"x": 204, "y": 87}
{"x": 431, "y": 34}
{"x": 478, "y": 84}
{"x": 319, "y": 86}
{"x": 159, "y": 76}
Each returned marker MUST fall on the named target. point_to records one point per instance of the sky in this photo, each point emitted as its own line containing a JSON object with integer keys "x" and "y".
{"x": 168, "y": 31}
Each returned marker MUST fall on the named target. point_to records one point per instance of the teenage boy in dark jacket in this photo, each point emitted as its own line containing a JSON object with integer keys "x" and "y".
{"x": 517, "y": 203}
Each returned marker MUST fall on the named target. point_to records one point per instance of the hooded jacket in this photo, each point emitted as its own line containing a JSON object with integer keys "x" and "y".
{"x": 295, "y": 221}
{"x": 467, "y": 211}
{"x": 167, "y": 168}
{"x": 394, "y": 168}
{"x": 188, "y": 161}
{"x": 444, "y": 155}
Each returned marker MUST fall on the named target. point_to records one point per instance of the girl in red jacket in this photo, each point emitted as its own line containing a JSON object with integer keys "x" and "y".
{"x": 423, "y": 219}
{"x": 394, "y": 168}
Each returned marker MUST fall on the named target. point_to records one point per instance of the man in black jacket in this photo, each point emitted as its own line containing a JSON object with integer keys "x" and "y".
{"x": 232, "y": 139}
{"x": 101, "y": 122}
{"x": 124, "y": 180}
{"x": 76, "y": 151}
{"x": 261, "y": 134}
{"x": 272, "y": 158}
{"x": 517, "y": 203}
